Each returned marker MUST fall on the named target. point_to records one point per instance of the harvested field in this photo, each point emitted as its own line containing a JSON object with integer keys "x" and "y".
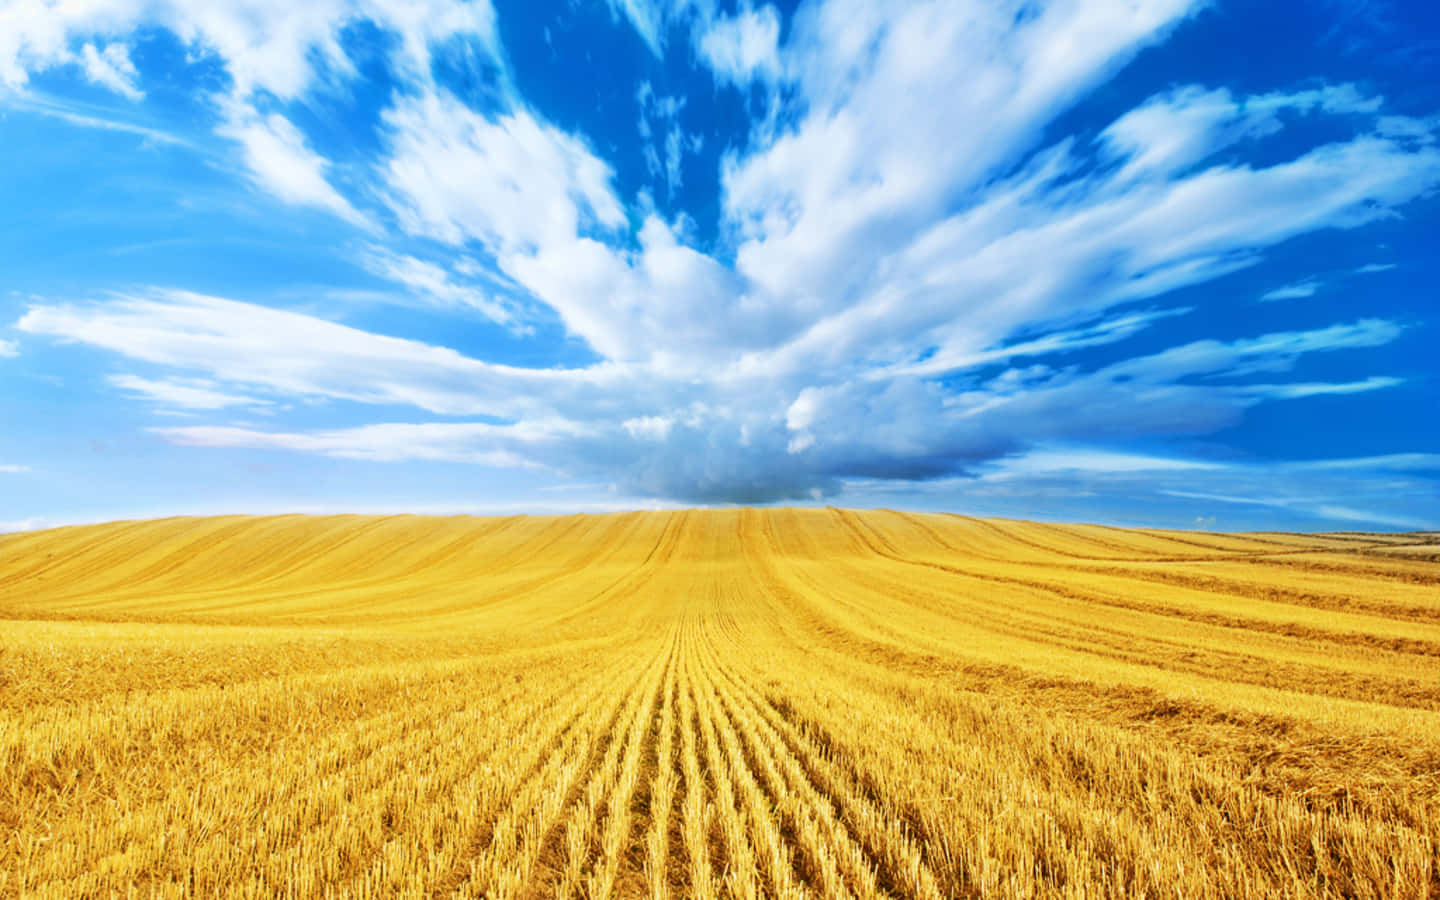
{"x": 723, "y": 703}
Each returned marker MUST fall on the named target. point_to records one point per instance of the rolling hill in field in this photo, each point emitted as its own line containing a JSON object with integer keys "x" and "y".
{"x": 725, "y": 703}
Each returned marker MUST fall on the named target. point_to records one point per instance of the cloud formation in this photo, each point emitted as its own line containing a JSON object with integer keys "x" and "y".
{"x": 892, "y": 291}
{"x": 1297, "y": 291}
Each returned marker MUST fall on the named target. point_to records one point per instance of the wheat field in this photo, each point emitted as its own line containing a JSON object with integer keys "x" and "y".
{"x": 718, "y": 703}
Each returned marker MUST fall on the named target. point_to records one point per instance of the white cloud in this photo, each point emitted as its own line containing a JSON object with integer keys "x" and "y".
{"x": 868, "y": 246}
{"x": 652, "y": 428}
{"x": 81, "y": 116}
{"x": 273, "y": 46}
{"x": 658, "y": 433}
{"x": 511, "y": 182}
{"x": 652, "y": 18}
{"x": 742, "y": 48}
{"x": 177, "y": 393}
{"x": 1395, "y": 462}
{"x": 9, "y": 349}
{"x": 433, "y": 284}
{"x": 1297, "y": 291}
{"x": 483, "y": 444}
{"x": 1372, "y": 268}
{"x": 282, "y": 164}
{"x": 1305, "y": 502}
{"x": 111, "y": 68}
{"x": 1174, "y": 131}
{"x": 647, "y": 17}
{"x": 1086, "y": 482}
{"x": 286, "y": 353}
{"x": 13, "y": 469}
{"x": 1106, "y": 331}
{"x": 1082, "y": 459}
{"x": 1298, "y": 391}
{"x": 665, "y": 113}
{"x": 271, "y": 49}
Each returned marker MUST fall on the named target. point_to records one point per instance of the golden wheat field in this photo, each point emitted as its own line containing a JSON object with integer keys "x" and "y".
{"x": 722, "y": 703}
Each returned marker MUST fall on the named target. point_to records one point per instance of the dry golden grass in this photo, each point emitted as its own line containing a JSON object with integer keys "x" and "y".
{"x": 711, "y": 704}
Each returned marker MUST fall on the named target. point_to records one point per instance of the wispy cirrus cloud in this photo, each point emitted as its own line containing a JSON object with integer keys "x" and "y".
{"x": 435, "y": 285}
{"x": 111, "y": 67}
{"x": 1060, "y": 481}
{"x": 183, "y": 394}
{"x": 272, "y": 53}
{"x": 1297, "y": 291}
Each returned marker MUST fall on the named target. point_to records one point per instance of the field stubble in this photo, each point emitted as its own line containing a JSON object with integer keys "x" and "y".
{"x": 716, "y": 704}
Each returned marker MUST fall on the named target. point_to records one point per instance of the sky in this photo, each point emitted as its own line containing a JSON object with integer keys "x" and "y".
{"x": 1140, "y": 262}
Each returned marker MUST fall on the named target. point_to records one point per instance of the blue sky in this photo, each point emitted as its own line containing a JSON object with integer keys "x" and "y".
{"x": 1153, "y": 262}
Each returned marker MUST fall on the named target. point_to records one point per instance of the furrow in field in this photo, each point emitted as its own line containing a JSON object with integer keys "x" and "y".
{"x": 92, "y": 574}
{"x": 662, "y": 809}
{"x": 514, "y": 843}
{"x": 636, "y": 579}
{"x": 1241, "y": 578}
{"x": 1064, "y": 543}
{"x": 623, "y": 831}
{"x": 872, "y": 839}
{"x": 787, "y": 850}
{"x": 697, "y": 809}
{"x": 1266, "y": 743}
{"x": 440, "y": 780}
{"x": 69, "y": 559}
{"x": 334, "y": 565}
{"x": 1136, "y": 633}
{"x": 447, "y": 811}
{"x": 1361, "y": 563}
{"x": 381, "y": 786}
{"x": 33, "y": 559}
{"x": 96, "y": 737}
{"x": 737, "y": 866}
{"x": 1324, "y": 678}
{"x": 586, "y": 857}
{"x": 827, "y": 861}
{"x": 350, "y": 772}
{"x": 528, "y": 771}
